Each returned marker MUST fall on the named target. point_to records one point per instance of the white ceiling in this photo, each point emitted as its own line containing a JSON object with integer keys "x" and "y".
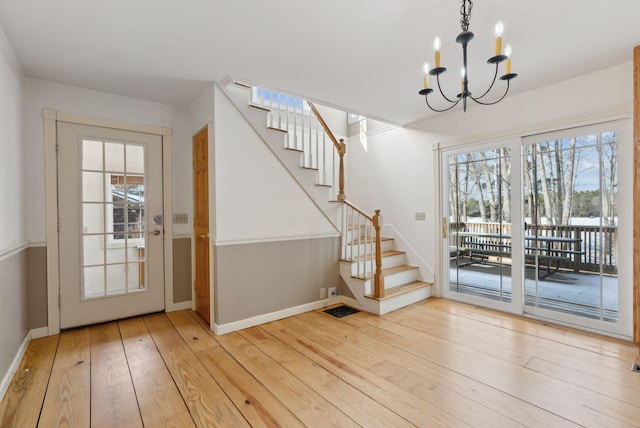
{"x": 361, "y": 55}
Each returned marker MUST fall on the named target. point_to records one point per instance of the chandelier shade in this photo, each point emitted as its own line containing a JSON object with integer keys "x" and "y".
{"x": 463, "y": 39}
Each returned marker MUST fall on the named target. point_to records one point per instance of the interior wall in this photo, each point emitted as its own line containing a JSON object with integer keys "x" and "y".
{"x": 255, "y": 196}
{"x": 14, "y": 320}
{"x": 266, "y": 277}
{"x": 392, "y": 169}
{"x": 273, "y": 247}
{"x": 69, "y": 99}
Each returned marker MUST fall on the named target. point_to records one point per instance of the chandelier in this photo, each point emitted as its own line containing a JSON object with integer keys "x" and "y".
{"x": 464, "y": 38}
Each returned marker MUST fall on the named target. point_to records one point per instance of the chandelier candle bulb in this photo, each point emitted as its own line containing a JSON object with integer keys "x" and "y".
{"x": 507, "y": 52}
{"x": 425, "y": 68}
{"x": 499, "y": 30}
{"x": 436, "y": 47}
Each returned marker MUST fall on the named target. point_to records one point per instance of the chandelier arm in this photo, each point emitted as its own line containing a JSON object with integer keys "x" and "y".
{"x": 442, "y": 93}
{"x": 495, "y": 76}
{"x": 455, "y": 103}
{"x": 493, "y": 102}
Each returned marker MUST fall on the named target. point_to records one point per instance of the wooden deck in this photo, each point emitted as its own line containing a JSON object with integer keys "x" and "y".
{"x": 435, "y": 363}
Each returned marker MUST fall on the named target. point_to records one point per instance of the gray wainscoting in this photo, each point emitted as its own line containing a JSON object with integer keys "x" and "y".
{"x": 14, "y": 314}
{"x": 37, "y": 287}
{"x": 181, "y": 270}
{"x": 257, "y": 279}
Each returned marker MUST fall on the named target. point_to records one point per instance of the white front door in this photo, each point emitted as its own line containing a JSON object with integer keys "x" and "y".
{"x": 111, "y": 224}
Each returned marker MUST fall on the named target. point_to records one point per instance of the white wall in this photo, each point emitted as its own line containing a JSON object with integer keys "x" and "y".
{"x": 13, "y": 188}
{"x": 255, "y": 196}
{"x": 395, "y": 173}
{"x": 14, "y": 319}
{"x": 69, "y": 99}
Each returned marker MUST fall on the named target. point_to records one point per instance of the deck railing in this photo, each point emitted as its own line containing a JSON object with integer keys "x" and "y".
{"x": 598, "y": 246}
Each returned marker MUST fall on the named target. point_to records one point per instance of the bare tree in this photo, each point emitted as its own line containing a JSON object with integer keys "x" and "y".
{"x": 567, "y": 183}
{"x": 505, "y": 183}
{"x": 488, "y": 186}
{"x": 544, "y": 184}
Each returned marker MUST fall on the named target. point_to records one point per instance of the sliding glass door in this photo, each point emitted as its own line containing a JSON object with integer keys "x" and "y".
{"x": 478, "y": 242}
{"x": 572, "y": 220}
{"x": 532, "y": 226}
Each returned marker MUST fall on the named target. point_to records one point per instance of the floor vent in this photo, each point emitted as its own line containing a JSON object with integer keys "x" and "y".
{"x": 341, "y": 311}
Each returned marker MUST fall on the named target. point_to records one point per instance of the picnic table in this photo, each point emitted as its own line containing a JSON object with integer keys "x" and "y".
{"x": 552, "y": 251}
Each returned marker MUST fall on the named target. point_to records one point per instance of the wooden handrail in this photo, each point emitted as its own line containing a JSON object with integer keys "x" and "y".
{"x": 362, "y": 213}
{"x": 340, "y": 146}
{"x": 325, "y": 126}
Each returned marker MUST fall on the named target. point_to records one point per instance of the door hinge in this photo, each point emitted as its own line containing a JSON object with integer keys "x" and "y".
{"x": 59, "y": 300}
{"x": 56, "y": 147}
{"x": 58, "y": 225}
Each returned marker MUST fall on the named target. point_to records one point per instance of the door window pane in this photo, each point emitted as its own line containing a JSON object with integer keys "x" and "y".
{"x": 113, "y": 218}
{"x": 480, "y": 224}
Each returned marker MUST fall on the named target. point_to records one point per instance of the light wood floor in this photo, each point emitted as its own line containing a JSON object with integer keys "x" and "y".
{"x": 436, "y": 363}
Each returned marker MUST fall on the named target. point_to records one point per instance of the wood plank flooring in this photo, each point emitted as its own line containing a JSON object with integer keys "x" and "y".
{"x": 435, "y": 363}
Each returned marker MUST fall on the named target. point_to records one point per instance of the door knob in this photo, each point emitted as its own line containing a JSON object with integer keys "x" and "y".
{"x": 203, "y": 236}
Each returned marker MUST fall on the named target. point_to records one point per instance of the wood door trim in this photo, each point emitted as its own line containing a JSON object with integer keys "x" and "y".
{"x": 636, "y": 194}
{"x": 202, "y": 294}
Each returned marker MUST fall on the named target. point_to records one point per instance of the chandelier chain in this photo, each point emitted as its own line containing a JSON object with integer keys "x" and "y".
{"x": 466, "y": 14}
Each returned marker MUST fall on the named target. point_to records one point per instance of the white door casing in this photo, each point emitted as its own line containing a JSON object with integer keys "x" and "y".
{"x": 164, "y": 265}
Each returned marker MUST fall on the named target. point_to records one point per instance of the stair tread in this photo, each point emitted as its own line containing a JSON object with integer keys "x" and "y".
{"x": 275, "y": 128}
{"x": 396, "y": 269}
{"x": 402, "y": 289}
{"x": 260, "y": 107}
{"x": 368, "y": 240}
{"x": 293, "y": 149}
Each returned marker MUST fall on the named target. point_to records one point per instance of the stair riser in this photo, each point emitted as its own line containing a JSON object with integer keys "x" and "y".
{"x": 359, "y": 249}
{"x": 400, "y": 278}
{"x": 404, "y": 300}
{"x": 354, "y": 233}
{"x": 387, "y": 262}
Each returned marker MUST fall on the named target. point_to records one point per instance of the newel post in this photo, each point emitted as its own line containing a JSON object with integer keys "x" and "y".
{"x": 341, "y": 152}
{"x": 378, "y": 279}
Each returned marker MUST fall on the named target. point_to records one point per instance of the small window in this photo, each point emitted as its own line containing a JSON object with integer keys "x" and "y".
{"x": 278, "y": 100}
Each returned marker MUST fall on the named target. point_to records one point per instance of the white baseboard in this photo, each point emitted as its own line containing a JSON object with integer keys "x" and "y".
{"x": 37, "y": 333}
{"x": 220, "y": 329}
{"x": 180, "y": 306}
{"x": 8, "y": 377}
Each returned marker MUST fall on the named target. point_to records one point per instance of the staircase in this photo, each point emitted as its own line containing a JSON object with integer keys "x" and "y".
{"x": 380, "y": 277}
{"x": 376, "y": 272}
